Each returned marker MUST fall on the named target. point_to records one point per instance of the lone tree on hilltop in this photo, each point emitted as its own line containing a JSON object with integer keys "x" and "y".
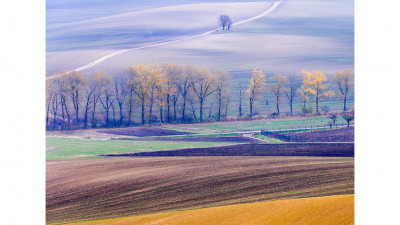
{"x": 225, "y": 21}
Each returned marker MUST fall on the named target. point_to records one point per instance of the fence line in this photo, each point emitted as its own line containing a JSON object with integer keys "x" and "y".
{"x": 280, "y": 133}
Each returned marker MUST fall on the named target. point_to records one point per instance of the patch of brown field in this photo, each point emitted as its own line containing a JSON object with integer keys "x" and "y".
{"x": 116, "y": 187}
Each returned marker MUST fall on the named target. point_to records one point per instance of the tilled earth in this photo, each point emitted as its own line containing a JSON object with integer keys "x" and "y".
{"x": 290, "y": 149}
{"x": 114, "y": 187}
{"x": 332, "y": 135}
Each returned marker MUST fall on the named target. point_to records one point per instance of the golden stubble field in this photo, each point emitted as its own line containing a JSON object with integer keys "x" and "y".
{"x": 338, "y": 209}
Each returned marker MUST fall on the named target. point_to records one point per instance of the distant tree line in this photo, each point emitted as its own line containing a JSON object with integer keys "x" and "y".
{"x": 171, "y": 93}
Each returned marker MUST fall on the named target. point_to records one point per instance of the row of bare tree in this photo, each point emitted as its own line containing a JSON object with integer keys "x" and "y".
{"x": 179, "y": 93}
{"x": 72, "y": 98}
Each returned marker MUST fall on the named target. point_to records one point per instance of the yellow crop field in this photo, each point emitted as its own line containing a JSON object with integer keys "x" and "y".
{"x": 337, "y": 209}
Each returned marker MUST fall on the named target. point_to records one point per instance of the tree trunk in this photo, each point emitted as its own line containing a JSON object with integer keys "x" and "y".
{"x": 183, "y": 108}
{"x": 86, "y": 115}
{"x": 240, "y": 107}
{"x": 55, "y": 109}
{"x": 201, "y": 110}
{"x": 94, "y": 110}
{"x": 151, "y": 112}
{"x": 175, "y": 109}
{"x": 277, "y": 107}
{"x": 251, "y": 108}
{"x": 113, "y": 110}
{"x": 107, "y": 118}
{"x": 317, "y": 101}
{"x": 161, "y": 116}
{"x": 168, "y": 110}
{"x": 291, "y": 107}
{"x": 219, "y": 105}
{"x": 47, "y": 115}
{"x": 130, "y": 107}
{"x": 344, "y": 103}
{"x": 142, "y": 110}
{"x": 121, "y": 118}
{"x": 210, "y": 112}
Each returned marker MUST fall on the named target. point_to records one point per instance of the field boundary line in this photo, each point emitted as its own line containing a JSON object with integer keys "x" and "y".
{"x": 101, "y": 59}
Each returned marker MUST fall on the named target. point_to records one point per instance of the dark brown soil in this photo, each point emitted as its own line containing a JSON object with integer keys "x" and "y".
{"x": 142, "y": 132}
{"x": 295, "y": 149}
{"x": 332, "y": 135}
{"x": 200, "y": 139}
{"x": 115, "y": 187}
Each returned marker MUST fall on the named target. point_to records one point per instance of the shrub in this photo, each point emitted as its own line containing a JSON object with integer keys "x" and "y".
{"x": 325, "y": 109}
{"x": 307, "y": 110}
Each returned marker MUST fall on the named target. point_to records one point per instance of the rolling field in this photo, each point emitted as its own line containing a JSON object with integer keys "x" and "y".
{"x": 203, "y": 173}
{"x": 116, "y": 187}
{"x": 332, "y": 210}
{"x": 307, "y": 34}
{"x": 74, "y": 148}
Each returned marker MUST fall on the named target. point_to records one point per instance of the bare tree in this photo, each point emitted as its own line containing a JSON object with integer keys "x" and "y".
{"x": 174, "y": 72}
{"x": 203, "y": 86}
{"x": 99, "y": 82}
{"x": 76, "y": 82}
{"x": 185, "y": 84}
{"x": 50, "y": 95}
{"x": 90, "y": 88}
{"x": 121, "y": 92}
{"x": 240, "y": 99}
{"x": 107, "y": 100}
{"x": 222, "y": 89}
{"x": 131, "y": 94}
{"x": 225, "y": 21}
{"x": 344, "y": 82}
{"x": 62, "y": 87}
{"x": 278, "y": 88}
{"x": 293, "y": 85}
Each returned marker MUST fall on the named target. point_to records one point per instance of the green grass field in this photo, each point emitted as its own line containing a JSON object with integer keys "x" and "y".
{"x": 74, "y": 148}
{"x": 254, "y": 125}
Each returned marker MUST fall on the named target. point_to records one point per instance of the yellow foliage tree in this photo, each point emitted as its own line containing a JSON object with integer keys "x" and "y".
{"x": 314, "y": 85}
{"x": 256, "y": 87}
{"x": 344, "y": 83}
{"x": 141, "y": 80}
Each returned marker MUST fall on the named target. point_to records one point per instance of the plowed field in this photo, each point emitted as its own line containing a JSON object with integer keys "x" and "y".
{"x": 295, "y": 149}
{"x": 79, "y": 190}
